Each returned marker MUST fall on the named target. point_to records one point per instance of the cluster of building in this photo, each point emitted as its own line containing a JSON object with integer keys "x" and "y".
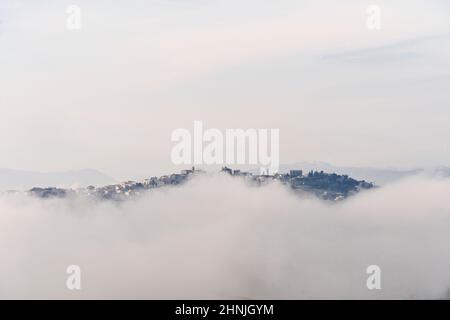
{"x": 328, "y": 186}
{"x": 119, "y": 192}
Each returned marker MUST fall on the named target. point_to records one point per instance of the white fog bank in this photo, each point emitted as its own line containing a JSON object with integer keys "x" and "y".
{"x": 217, "y": 238}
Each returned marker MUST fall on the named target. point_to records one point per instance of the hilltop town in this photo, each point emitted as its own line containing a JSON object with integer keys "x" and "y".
{"x": 326, "y": 186}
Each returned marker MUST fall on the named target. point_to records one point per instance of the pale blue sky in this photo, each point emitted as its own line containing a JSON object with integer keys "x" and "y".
{"x": 109, "y": 96}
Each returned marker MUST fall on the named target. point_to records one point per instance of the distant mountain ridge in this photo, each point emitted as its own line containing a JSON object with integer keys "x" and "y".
{"x": 19, "y": 180}
{"x": 325, "y": 186}
{"x": 23, "y": 180}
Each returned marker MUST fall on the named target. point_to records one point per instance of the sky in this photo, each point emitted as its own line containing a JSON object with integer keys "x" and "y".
{"x": 108, "y": 96}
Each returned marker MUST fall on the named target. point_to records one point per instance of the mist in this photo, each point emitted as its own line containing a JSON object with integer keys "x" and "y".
{"x": 216, "y": 237}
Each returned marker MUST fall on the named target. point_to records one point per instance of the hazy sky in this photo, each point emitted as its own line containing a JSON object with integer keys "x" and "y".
{"x": 109, "y": 95}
